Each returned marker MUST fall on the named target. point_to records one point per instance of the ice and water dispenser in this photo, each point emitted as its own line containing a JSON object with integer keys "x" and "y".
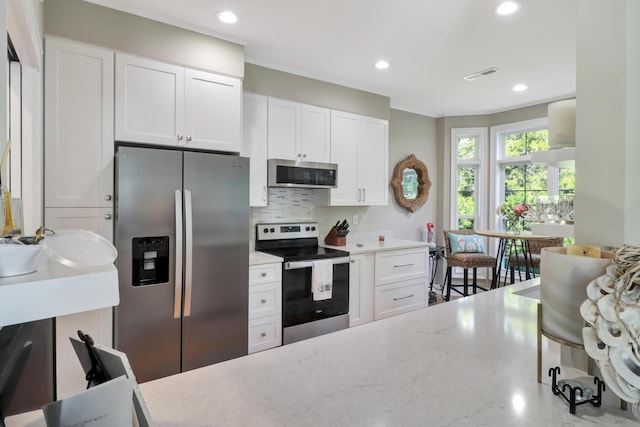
{"x": 150, "y": 260}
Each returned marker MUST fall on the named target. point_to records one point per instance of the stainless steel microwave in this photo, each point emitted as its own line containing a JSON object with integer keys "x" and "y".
{"x": 292, "y": 173}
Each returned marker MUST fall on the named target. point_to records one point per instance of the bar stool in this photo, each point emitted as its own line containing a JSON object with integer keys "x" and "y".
{"x": 466, "y": 261}
{"x": 517, "y": 259}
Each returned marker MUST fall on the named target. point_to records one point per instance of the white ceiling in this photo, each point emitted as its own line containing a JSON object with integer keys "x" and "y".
{"x": 431, "y": 45}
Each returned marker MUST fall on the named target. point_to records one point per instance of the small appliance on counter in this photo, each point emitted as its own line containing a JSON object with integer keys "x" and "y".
{"x": 305, "y": 315}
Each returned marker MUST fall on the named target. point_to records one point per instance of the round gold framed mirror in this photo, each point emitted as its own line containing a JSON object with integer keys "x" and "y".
{"x": 411, "y": 183}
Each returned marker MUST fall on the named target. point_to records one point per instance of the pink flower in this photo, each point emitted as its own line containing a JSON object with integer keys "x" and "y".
{"x": 520, "y": 208}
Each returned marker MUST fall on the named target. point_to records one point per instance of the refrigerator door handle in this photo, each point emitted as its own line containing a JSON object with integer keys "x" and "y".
{"x": 177, "y": 291}
{"x": 188, "y": 273}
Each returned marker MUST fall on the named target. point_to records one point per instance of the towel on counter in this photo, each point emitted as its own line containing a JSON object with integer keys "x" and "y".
{"x": 322, "y": 279}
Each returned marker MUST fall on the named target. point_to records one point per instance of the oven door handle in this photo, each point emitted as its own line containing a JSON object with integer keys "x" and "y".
{"x": 306, "y": 264}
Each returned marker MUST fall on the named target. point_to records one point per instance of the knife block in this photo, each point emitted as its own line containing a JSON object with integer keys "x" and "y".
{"x": 333, "y": 239}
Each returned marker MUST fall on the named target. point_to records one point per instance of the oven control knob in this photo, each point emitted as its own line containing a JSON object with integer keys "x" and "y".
{"x": 273, "y": 230}
{"x": 313, "y": 229}
{"x": 266, "y": 230}
{"x": 308, "y": 228}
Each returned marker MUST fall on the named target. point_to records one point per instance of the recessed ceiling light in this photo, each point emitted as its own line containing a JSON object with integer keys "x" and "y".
{"x": 382, "y": 64}
{"x": 507, "y": 8}
{"x": 520, "y": 88}
{"x": 227, "y": 17}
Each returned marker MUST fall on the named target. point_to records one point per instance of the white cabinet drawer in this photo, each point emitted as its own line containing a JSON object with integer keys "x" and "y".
{"x": 265, "y": 273}
{"x": 264, "y": 333}
{"x": 265, "y": 300}
{"x": 400, "y": 297}
{"x": 395, "y": 266}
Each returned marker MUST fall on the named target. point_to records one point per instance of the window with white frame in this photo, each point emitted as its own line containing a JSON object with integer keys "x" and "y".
{"x": 468, "y": 178}
{"x": 515, "y": 179}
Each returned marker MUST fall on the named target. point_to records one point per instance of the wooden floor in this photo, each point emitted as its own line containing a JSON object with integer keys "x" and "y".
{"x": 438, "y": 293}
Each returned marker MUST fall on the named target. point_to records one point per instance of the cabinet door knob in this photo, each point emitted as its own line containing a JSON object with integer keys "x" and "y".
{"x": 352, "y": 261}
{"x": 189, "y": 138}
{"x": 304, "y": 156}
{"x": 107, "y": 197}
{"x": 299, "y": 155}
{"x": 263, "y": 274}
{"x": 180, "y": 137}
{"x": 263, "y": 334}
{"x": 107, "y": 216}
{"x": 263, "y": 300}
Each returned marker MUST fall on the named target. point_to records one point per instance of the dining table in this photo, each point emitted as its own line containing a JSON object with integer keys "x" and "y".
{"x": 512, "y": 243}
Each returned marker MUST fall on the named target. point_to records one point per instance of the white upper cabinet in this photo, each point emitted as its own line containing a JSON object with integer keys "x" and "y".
{"x": 298, "y": 131}
{"x": 149, "y": 101}
{"x": 254, "y": 146}
{"x": 345, "y": 133}
{"x": 213, "y": 111}
{"x": 360, "y": 147}
{"x": 159, "y": 103}
{"x": 373, "y": 161}
{"x": 315, "y": 134}
{"x": 78, "y": 131}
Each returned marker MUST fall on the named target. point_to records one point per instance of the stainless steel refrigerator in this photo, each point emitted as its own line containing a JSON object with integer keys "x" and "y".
{"x": 182, "y": 234}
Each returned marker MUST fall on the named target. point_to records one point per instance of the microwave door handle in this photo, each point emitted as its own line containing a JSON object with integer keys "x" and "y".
{"x": 177, "y": 292}
{"x": 188, "y": 273}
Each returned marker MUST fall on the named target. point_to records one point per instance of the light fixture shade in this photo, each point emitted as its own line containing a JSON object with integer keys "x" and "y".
{"x": 562, "y": 123}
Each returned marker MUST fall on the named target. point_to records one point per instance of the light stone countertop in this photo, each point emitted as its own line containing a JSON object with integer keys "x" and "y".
{"x": 56, "y": 290}
{"x": 257, "y": 258}
{"x": 375, "y": 246}
{"x": 468, "y": 362}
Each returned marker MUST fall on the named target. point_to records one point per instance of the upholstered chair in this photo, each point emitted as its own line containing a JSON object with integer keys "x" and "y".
{"x": 517, "y": 260}
{"x": 467, "y": 261}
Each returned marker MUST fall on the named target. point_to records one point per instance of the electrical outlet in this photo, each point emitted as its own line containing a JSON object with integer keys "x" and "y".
{"x": 354, "y": 220}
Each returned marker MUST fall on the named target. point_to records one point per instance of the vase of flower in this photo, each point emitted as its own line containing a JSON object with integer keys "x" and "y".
{"x": 513, "y": 226}
{"x": 514, "y": 216}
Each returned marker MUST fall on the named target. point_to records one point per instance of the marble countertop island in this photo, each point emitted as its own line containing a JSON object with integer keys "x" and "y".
{"x": 467, "y": 362}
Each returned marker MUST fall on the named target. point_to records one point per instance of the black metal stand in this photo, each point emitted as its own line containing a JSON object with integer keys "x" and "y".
{"x": 575, "y": 392}
{"x": 97, "y": 374}
{"x": 435, "y": 255}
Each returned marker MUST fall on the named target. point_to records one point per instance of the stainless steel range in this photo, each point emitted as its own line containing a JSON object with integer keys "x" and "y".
{"x": 304, "y": 316}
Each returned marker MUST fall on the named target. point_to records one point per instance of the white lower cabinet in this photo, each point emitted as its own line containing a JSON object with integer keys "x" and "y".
{"x": 265, "y": 333}
{"x": 70, "y": 377}
{"x": 400, "y": 297}
{"x": 400, "y": 265}
{"x": 265, "y": 306}
{"x": 401, "y": 281}
{"x": 97, "y": 323}
{"x": 361, "y": 295}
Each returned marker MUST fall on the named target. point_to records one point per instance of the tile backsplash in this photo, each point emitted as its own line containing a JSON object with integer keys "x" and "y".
{"x": 285, "y": 204}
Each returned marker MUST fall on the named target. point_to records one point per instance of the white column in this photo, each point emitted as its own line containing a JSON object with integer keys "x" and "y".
{"x": 607, "y": 125}
{"x": 4, "y": 81}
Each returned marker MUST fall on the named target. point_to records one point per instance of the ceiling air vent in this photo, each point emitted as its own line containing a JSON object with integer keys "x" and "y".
{"x": 479, "y": 74}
